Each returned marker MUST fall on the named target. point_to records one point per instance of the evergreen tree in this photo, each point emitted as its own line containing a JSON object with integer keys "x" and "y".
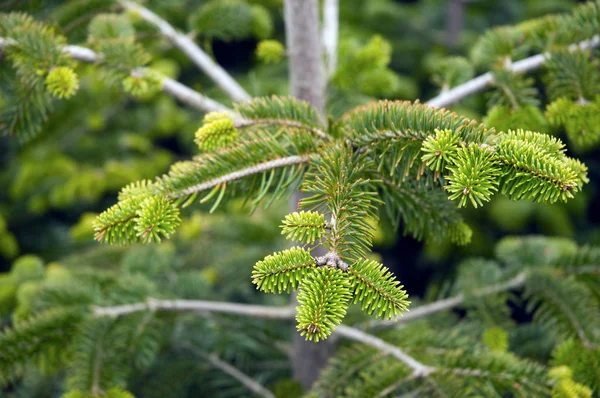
{"x": 142, "y": 322}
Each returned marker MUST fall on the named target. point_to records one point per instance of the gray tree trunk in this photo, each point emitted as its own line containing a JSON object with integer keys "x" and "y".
{"x": 307, "y": 82}
{"x": 454, "y": 21}
{"x": 307, "y": 78}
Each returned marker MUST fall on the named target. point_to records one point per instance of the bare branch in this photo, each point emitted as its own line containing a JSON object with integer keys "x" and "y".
{"x": 419, "y": 370}
{"x": 257, "y": 311}
{"x": 481, "y": 82}
{"x": 172, "y": 87}
{"x": 236, "y": 175}
{"x": 232, "y": 371}
{"x": 330, "y": 33}
{"x": 194, "y": 53}
{"x": 192, "y": 97}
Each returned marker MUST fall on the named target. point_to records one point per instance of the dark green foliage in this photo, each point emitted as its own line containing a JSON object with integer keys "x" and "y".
{"x": 573, "y": 75}
{"x": 566, "y": 305}
{"x": 411, "y": 202}
{"x": 579, "y": 119}
{"x": 39, "y": 338}
{"x": 512, "y": 90}
{"x": 231, "y": 20}
{"x": 34, "y": 50}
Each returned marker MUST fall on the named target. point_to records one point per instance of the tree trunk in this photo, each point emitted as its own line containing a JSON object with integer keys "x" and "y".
{"x": 454, "y": 21}
{"x": 307, "y": 82}
{"x": 307, "y": 79}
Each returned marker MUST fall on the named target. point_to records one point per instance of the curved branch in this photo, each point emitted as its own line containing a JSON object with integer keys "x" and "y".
{"x": 481, "y": 82}
{"x": 419, "y": 370}
{"x": 194, "y": 53}
{"x": 172, "y": 87}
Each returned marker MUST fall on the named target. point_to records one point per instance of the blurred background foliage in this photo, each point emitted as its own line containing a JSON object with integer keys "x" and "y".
{"x": 103, "y": 138}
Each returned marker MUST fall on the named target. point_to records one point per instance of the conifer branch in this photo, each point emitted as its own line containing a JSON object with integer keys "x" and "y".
{"x": 236, "y": 175}
{"x": 194, "y": 53}
{"x": 232, "y": 371}
{"x": 330, "y": 33}
{"x": 172, "y": 87}
{"x": 481, "y": 82}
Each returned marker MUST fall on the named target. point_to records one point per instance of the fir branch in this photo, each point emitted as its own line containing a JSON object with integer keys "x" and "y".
{"x": 484, "y": 81}
{"x": 283, "y": 270}
{"x": 194, "y": 53}
{"x": 236, "y": 175}
{"x": 172, "y": 87}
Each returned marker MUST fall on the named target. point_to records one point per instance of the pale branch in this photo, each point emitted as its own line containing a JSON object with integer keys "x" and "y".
{"x": 172, "y": 87}
{"x": 194, "y": 53}
{"x": 236, "y": 175}
{"x": 192, "y": 97}
{"x": 260, "y": 311}
{"x": 419, "y": 370}
{"x": 330, "y": 33}
{"x": 257, "y": 311}
{"x": 282, "y": 122}
{"x": 453, "y": 302}
{"x": 481, "y": 82}
{"x": 232, "y": 371}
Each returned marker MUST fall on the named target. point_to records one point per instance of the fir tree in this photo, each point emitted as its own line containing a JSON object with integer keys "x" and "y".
{"x": 413, "y": 163}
